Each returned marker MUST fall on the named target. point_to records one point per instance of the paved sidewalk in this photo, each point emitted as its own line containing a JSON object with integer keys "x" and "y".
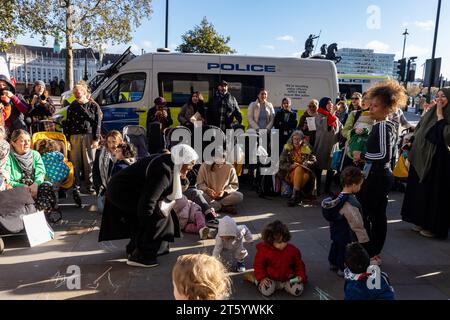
{"x": 419, "y": 268}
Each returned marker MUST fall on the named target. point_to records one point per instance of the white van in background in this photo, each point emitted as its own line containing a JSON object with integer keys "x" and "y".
{"x": 175, "y": 76}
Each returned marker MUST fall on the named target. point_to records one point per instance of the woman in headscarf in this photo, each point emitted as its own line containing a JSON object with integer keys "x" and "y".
{"x": 426, "y": 199}
{"x": 285, "y": 121}
{"x": 297, "y": 164}
{"x": 26, "y": 170}
{"x": 139, "y": 202}
{"x": 327, "y": 136}
{"x": 193, "y": 110}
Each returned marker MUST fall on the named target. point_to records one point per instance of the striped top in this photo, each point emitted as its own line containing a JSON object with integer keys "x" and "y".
{"x": 380, "y": 143}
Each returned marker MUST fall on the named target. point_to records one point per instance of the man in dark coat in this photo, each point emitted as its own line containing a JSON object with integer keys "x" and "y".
{"x": 224, "y": 109}
{"x": 135, "y": 201}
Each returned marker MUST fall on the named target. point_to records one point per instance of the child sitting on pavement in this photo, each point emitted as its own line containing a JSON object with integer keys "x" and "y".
{"x": 363, "y": 281}
{"x": 191, "y": 217}
{"x": 230, "y": 237}
{"x": 278, "y": 264}
{"x": 200, "y": 277}
{"x": 125, "y": 155}
{"x": 345, "y": 216}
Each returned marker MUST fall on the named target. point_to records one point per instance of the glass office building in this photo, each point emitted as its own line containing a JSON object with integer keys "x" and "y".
{"x": 365, "y": 61}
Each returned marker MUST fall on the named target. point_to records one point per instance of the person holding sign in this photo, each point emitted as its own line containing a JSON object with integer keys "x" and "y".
{"x": 307, "y": 122}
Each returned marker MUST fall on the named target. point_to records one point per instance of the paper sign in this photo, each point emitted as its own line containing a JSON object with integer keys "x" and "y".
{"x": 37, "y": 228}
{"x": 311, "y": 121}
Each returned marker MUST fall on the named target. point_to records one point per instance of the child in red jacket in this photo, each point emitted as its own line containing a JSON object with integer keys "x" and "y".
{"x": 278, "y": 264}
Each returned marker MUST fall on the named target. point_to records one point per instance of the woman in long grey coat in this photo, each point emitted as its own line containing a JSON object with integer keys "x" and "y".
{"x": 327, "y": 134}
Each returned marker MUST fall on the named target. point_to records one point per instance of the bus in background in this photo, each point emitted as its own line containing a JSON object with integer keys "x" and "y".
{"x": 351, "y": 83}
{"x": 126, "y": 96}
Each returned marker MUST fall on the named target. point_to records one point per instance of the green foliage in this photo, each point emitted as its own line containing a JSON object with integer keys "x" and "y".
{"x": 9, "y": 28}
{"x": 94, "y": 22}
{"x": 205, "y": 39}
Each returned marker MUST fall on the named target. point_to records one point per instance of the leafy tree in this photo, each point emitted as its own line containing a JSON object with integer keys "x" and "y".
{"x": 9, "y": 28}
{"x": 204, "y": 39}
{"x": 89, "y": 23}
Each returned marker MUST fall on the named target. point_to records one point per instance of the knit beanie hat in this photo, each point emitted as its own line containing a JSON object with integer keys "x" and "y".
{"x": 227, "y": 227}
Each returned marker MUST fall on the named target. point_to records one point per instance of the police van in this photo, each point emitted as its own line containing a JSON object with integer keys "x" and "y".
{"x": 351, "y": 83}
{"x": 125, "y": 97}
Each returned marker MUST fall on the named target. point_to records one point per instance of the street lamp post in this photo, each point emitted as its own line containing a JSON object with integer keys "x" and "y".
{"x": 406, "y": 34}
{"x": 433, "y": 71}
{"x": 167, "y": 23}
{"x": 86, "y": 76}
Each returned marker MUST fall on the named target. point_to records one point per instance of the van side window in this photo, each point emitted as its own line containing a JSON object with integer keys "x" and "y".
{"x": 176, "y": 88}
{"x": 124, "y": 89}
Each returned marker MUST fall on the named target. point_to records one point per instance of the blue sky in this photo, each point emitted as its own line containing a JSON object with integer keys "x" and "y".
{"x": 280, "y": 27}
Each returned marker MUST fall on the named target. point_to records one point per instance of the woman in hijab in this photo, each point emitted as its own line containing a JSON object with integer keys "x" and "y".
{"x": 426, "y": 199}
{"x": 26, "y": 170}
{"x": 139, "y": 202}
{"x": 327, "y": 136}
{"x": 193, "y": 110}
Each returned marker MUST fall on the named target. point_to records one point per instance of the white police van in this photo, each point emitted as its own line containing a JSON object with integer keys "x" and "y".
{"x": 125, "y": 97}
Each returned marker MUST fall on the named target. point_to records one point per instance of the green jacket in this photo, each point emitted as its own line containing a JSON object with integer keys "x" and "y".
{"x": 16, "y": 173}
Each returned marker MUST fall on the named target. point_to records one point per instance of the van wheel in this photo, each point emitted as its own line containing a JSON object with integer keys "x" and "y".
{"x": 2, "y": 246}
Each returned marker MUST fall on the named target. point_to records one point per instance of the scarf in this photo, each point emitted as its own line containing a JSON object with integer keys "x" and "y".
{"x": 331, "y": 119}
{"x": 25, "y": 163}
{"x": 105, "y": 158}
{"x": 181, "y": 154}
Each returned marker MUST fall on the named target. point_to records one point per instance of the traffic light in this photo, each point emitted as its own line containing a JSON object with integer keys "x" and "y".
{"x": 401, "y": 69}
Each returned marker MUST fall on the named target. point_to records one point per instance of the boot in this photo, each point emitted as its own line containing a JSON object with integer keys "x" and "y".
{"x": 296, "y": 199}
{"x": 76, "y": 196}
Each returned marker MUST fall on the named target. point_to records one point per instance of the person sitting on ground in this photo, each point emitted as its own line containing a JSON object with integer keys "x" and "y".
{"x": 345, "y": 216}
{"x": 219, "y": 182}
{"x": 230, "y": 237}
{"x": 191, "y": 218}
{"x": 125, "y": 155}
{"x": 27, "y": 170}
{"x": 359, "y": 282}
{"x": 160, "y": 113}
{"x": 311, "y": 112}
{"x": 297, "y": 165}
{"x": 200, "y": 277}
{"x": 278, "y": 264}
{"x": 55, "y": 167}
{"x": 195, "y": 195}
{"x": 4, "y": 153}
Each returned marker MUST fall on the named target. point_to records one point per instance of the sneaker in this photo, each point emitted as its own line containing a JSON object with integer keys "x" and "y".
{"x": 204, "y": 233}
{"x": 213, "y": 224}
{"x": 136, "y": 260}
{"x": 77, "y": 198}
{"x": 240, "y": 266}
{"x": 417, "y": 229}
{"x": 427, "y": 234}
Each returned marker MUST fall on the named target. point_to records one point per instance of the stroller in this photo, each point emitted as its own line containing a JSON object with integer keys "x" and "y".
{"x": 137, "y": 136}
{"x": 61, "y": 140}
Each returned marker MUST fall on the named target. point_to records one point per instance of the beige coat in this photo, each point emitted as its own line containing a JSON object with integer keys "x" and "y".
{"x": 223, "y": 179}
{"x": 253, "y": 115}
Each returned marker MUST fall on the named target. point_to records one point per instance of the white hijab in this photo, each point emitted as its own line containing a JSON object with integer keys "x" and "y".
{"x": 181, "y": 154}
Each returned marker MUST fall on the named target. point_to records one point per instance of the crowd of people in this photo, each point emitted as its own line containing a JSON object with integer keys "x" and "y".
{"x": 151, "y": 201}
